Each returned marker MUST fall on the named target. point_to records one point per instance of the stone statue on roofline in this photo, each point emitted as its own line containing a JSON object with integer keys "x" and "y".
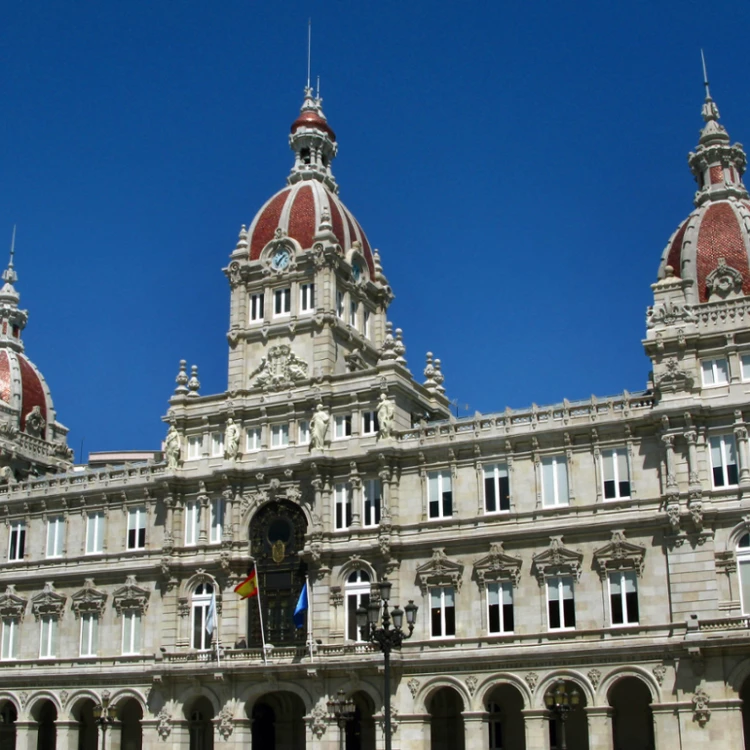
{"x": 231, "y": 440}
{"x": 319, "y": 427}
{"x": 386, "y": 416}
{"x": 172, "y": 448}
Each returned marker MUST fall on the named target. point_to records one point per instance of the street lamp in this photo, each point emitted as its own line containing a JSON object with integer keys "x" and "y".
{"x": 386, "y": 637}
{"x": 561, "y": 702}
{"x": 342, "y": 709}
{"x": 105, "y": 714}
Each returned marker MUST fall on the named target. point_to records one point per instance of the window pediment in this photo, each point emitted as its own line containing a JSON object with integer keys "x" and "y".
{"x": 619, "y": 554}
{"x": 497, "y": 566}
{"x": 131, "y": 596}
{"x": 439, "y": 571}
{"x": 89, "y": 600}
{"x": 557, "y": 559}
{"x": 11, "y": 604}
{"x": 48, "y": 603}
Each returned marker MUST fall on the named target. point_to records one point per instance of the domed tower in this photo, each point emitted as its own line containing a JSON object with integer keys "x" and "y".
{"x": 32, "y": 441}
{"x": 704, "y": 276}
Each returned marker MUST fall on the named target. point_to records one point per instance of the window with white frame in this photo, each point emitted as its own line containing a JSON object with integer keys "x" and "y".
{"x": 745, "y": 366}
{"x": 89, "y": 634}
{"x": 192, "y": 516}
{"x": 561, "y": 611}
{"x": 343, "y": 502}
{"x": 55, "y": 532}
{"x": 136, "y": 528}
{"x": 47, "y": 637}
{"x": 715, "y": 371}
{"x": 554, "y": 481}
{"x": 442, "y": 612}
{"x": 371, "y": 493}
{"x": 366, "y": 325}
{"x": 282, "y": 302}
{"x": 500, "y": 607}
{"x": 279, "y": 435}
{"x": 306, "y": 298}
{"x": 370, "y": 424}
{"x": 17, "y": 541}
{"x": 257, "y": 307}
{"x": 496, "y": 488}
{"x": 342, "y": 426}
{"x": 615, "y": 474}
{"x": 353, "y": 310}
{"x": 252, "y": 439}
{"x": 357, "y": 592}
{"x": 724, "y": 461}
{"x": 623, "y": 597}
{"x": 195, "y": 443}
{"x": 201, "y": 638}
{"x": 94, "y": 533}
{"x": 10, "y": 639}
{"x": 217, "y": 519}
{"x": 131, "y": 631}
{"x": 339, "y": 304}
{"x": 495, "y": 722}
{"x": 743, "y": 565}
{"x": 439, "y": 494}
{"x": 217, "y": 444}
{"x": 303, "y": 432}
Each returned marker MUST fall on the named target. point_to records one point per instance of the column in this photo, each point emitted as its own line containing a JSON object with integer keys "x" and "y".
{"x": 67, "y": 735}
{"x": 600, "y": 727}
{"x": 536, "y": 721}
{"x": 355, "y": 485}
{"x": 113, "y": 738}
{"x": 205, "y": 513}
{"x": 475, "y": 730}
{"x": 671, "y": 478}
{"x": 227, "y": 531}
{"x": 692, "y": 439}
{"x": 413, "y": 733}
{"x": 242, "y": 736}
{"x": 740, "y": 435}
{"x": 666, "y": 726}
{"x": 26, "y": 735}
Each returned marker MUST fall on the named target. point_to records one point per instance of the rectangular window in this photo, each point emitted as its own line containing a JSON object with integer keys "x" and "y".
{"x": 94, "y": 533}
{"x": 279, "y": 435}
{"x": 496, "y": 488}
{"x": 623, "y": 597}
{"x": 17, "y": 543}
{"x": 192, "y": 517}
{"x": 442, "y": 612}
{"x": 560, "y": 603}
{"x": 715, "y": 371}
{"x": 10, "y": 639}
{"x": 371, "y": 502}
{"x": 48, "y": 637}
{"x": 137, "y": 528}
{"x": 257, "y": 307}
{"x": 55, "y": 529}
{"x": 217, "y": 444}
{"x": 201, "y": 639}
{"x": 353, "y": 601}
{"x": 252, "y": 441}
{"x": 342, "y": 426}
{"x": 616, "y": 474}
{"x": 353, "y": 310}
{"x": 217, "y": 519}
{"x": 339, "y": 304}
{"x": 554, "y": 481}
{"x": 724, "y": 461}
{"x": 89, "y": 634}
{"x": 282, "y": 302}
{"x": 370, "y": 424}
{"x": 131, "y": 632}
{"x": 366, "y": 327}
{"x": 500, "y": 607}
{"x": 195, "y": 443}
{"x": 440, "y": 494}
{"x": 343, "y": 506}
{"x": 307, "y": 298}
{"x": 303, "y": 434}
{"x": 746, "y": 366}
{"x": 744, "y": 570}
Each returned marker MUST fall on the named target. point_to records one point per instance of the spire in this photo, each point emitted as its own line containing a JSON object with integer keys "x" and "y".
{"x": 716, "y": 165}
{"x": 12, "y": 320}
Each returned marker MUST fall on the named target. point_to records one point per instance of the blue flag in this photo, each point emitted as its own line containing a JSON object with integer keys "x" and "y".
{"x": 301, "y": 608}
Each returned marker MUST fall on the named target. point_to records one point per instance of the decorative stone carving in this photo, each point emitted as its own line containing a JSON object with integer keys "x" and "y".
{"x": 336, "y": 596}
{"x": 701, "y": 711}
{"x": 619, "y": 554}
{"x": 724, "y": 281}
{"x": 172, "y": 449}
{"x": 471, "y": 684}
{"x": 355, "y": 361}
{"x": 673, "y": 379}
{"x": 226, "y": 721}
{"x": 63, "y": 697}
{"x": 164, "y": 726}
{"x": 231, "y": 440}
{"x": 497, "y": 566}
{"x": 557, "y": 560}
{"x": 35, "y": 422}
{"x": 532, "y": 678}
{"x": 386, "y": 416}
{"x": 319, "y": 427}
{"x": 668, "y": 313}
{"x": 317, "y": 720}
{"x": 48, "y": 603}
{"x": 89, "y": 600}
{"x": 194, "y": 385}
{"x": 387, "y": 351}
{"x": 279, "y": 368}
{"x": 394, "y": 720}
{"x": 439, "y": 571}
{"x": 11, "y": 604}
{"x": 725, "y": 561}
{"x": 131, "y": 596}
{"x": 595, "y": 676}
{"x": 413, "y": 686}
{"x": 673, "y": 515}
{"x": 695, "y": 508}
{"x": 182, "y": 380}
{"x": 659, "y": 672}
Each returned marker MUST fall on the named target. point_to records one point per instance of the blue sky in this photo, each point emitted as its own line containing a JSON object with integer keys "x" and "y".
{"x": 520, "y": 166}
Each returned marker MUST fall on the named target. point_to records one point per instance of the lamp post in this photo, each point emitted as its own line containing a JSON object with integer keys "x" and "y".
{"x": 386, "y": 637}
{"x": 342, "y": 709}
{"x": 105, "y": 714}
{"x": 562, "y": 703}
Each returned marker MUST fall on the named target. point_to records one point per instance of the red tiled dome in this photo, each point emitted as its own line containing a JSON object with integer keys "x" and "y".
{"x": 310, "y": 119}
{"x": 22, "y": 386}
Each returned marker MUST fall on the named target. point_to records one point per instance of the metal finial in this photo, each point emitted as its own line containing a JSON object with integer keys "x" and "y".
{"x": 317, "y": 92}
{"x": 309, "y": 47}
{"x": 705, "y": 76}
{"x": 9, "y": 275}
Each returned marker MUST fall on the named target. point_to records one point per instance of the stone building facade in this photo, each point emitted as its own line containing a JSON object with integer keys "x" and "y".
{"x": 600, "y": 546}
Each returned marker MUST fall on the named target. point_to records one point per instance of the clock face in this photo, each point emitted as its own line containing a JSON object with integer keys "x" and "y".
{"x": 356, "y": 271}
{"x": 280, "y": 259}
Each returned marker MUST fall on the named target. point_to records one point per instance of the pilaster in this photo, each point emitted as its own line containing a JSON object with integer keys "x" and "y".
{"x": 536, "y": 721}
{"x": 600, "y": 727}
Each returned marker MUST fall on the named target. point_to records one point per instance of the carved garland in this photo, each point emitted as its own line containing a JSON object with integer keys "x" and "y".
{"x": 11, "y": 605}
{"x": 496, "y": 567}
{"x": 439, "y": 571}
{"x": 557, "y": 560}
{"x": 89, "y": 600}
{"x": 48, "y": 603}
{"x": 131, "y": 596}
{"x": 619, "y": 554}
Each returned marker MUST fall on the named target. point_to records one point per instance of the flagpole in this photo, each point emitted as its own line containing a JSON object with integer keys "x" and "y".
{"x": 309, "y": 618}
{"x": 260, "y": 616}
{"x": 216, "y": 623}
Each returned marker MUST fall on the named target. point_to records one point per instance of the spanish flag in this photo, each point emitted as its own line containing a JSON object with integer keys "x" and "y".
{"x": 249, "y": 587}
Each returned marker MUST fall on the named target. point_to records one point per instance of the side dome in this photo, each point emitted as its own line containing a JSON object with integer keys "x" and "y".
{"x": 24, "y": 390}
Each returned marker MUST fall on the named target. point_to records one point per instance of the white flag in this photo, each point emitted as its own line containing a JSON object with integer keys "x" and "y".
{"x": 211, "y": 617}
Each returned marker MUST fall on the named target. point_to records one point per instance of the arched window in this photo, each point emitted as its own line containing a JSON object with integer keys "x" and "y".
{"x": 743, "y": 566}
{"x": 203, "y": 596}
{"x": 357, "y": 592}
